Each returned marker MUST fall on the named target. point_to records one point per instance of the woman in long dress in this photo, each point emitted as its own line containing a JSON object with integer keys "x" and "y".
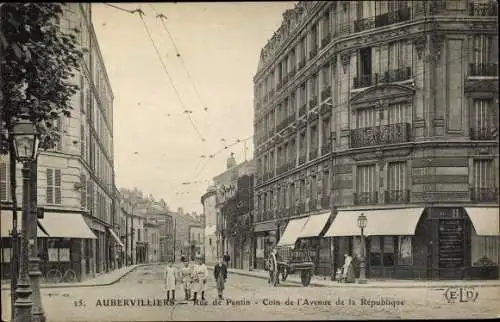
{"x": 169, "y": 278}
{"x": 348, "y": 270}
{"x": 220, "y": 276}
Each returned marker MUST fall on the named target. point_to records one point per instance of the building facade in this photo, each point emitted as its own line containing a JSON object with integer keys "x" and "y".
{"x": 226, "y": 185}
{"x": 208, "y": 200}
{"x": 196, "y": 241}
{"x": 152, "y": 238}
{"x": 370, "y": 107}
{"x": 182, "y": 223}
{"x": 76, "y": 178}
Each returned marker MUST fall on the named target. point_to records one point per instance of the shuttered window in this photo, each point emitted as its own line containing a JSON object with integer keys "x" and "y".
{"x": 83, "y": 191}
{"x": 366, "y": 179}
{"x": 483, "y": 174}
{"x": 4, "y": 181}
{"x": 53, "y": 192}
{"x": 397, "y": 176}
{"x": 482, "y": 114}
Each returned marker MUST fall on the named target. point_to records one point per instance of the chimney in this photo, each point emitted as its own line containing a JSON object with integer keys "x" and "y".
{"x": 231, "y": 161}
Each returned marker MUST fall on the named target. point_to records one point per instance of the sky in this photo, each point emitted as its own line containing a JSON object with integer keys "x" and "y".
{"x": 156, "y": 147}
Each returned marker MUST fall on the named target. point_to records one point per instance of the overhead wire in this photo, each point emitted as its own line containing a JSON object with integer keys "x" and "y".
{"x": 162, "y": 18}
{"x": 176, "y": 91}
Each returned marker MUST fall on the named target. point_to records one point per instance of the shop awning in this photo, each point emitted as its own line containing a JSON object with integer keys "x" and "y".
{"x": 485, "y": 220}
{"x": 381, "y": 222}
{"x": 66, "y": 225}
{"x": 6, "y": 224}
{"x": 265, "y": 226}
{"x": 292, "y": 231}
{"x": 115, "y": 237}
{"x": 315, "y": 225}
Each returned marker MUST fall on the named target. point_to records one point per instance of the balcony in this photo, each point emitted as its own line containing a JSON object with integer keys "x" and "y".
{"x": 483, "y": 9}
{"x": 484, "y": 194}
{"x": 260, "y": 180}
{"x": 365, "y": 81}
{"x": 313, "y": 154}
{"x": 302, "y": 63}
{"x": 484, "y": 69}
{"x": 364, "y": 24}
{"x": 302, "y": 159}
{"x": 343, "y": 30}
{"x": 389, "y": 18}
{"x": 326, "y": 92}
{"x": 290, "y": 165}
{"x": 395, "y": 75}
{"x": 326, "y": 148}
{"x": 326, "y": 40}
{"x": 483, "y": 134}
{"x": 397, "y": 196}
{"x": 380, "y": 135}
{"x": 302, "y": 110}
{"x": 313, "y": 102}
{"x": 313, "y": 52}
{"x": 365, "y": 198}
{"x": 301, "y": 208}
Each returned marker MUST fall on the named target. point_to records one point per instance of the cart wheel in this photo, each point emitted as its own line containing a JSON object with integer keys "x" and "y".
{"x": 54, "y": 276}
{"x": 284, "y": 274}
{"x": 305, "y": 277}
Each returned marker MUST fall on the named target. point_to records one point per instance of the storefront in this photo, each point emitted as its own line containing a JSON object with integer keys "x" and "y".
{"x": 418, "y": 243}
{"x": 116, "y": 247}
{"x": 264, "y": 238}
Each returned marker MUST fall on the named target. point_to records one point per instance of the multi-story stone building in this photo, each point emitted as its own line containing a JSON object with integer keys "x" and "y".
{"x": 208, "y": 200}
{"x": 390, "y": 108}
{"x": 226, "y": 185}
{"x": 152, "y": 238}
{"x": 76, "y": 178}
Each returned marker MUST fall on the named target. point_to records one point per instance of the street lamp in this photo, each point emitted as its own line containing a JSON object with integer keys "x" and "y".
{"x": 362, "y": 221}
{"x": 28, "y": 305}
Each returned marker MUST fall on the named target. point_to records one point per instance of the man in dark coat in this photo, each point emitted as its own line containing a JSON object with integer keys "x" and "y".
{"x": 220, "y": 276}
{"x": 227, "y": 259}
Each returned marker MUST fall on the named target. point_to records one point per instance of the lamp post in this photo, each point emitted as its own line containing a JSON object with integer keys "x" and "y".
{"x": 28, "y": 305}
{"x": 362, "y": 221}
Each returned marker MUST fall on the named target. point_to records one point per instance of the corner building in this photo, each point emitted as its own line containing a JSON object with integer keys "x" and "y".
{"x": 387, "y": 108}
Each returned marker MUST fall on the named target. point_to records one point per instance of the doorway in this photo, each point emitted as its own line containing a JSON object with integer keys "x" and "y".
{"x": 451, "y": 248}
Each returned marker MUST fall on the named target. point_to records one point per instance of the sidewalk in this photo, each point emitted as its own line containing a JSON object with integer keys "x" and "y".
{"x": 100, "y": 280}
{"x": 371, "y": 283}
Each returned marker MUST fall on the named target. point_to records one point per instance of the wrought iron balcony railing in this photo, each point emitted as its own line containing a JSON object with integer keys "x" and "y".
{"x": 326, "y": 92}
{"x": 302, "y": 159}
{"x": 313, "y": 153}
{"x": 389, "y": 18}
{"x": 364, "y": 24}
{"x": 326, "y": 148}
{"x": 325, "y": 202}
{"x": 291, "y": 165}
{"x": 365, "y": 80}
{"x": 395, "y": 75}
{"x": 326, "y": 40}
{"x": 380, "y": 135}
{"x": 343, "y": 30}
{"x": 483, "y": 133}
{"x": 396, "y": 196}
{"x": 313, "y": 102}
{"x": 483, "y": 9}
{"x": 302, "y": 110}
{"x": 301, "y": 208}
{"x": 484, "y": 69}
{"x": 365, "y": 198}
{"x": 313, "y": 52}
{"x": 484, "y": 194}
{"x": 302, "y": 63}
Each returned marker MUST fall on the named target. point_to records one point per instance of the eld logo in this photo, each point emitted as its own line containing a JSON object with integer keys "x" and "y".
{"x": 460, "y": 294}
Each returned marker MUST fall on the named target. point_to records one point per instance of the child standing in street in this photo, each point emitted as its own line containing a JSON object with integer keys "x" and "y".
{"x": 169, "y": 278}
{"x": 186, "y": 280}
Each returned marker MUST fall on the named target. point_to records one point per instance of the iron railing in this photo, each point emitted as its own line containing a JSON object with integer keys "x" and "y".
{"x": 365, "y": 198}
{"x": 483, "y": 9}
{"x": 483, "y": 133}
{"x": 313, "y": 52}
{"x": 483, "y": 69}
{"x": 380, "y": 135}
{"x": 396, "y": 196}
{"x": 302, "y": 159}
{"x": 395, "y": 75}
{"x": 343, "y": 30}
{"x": 484, "y": 194}
{"x": 365, "y": 80}
{"x": 389, "y": 18}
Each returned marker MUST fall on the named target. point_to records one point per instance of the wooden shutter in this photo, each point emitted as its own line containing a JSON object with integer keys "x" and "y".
{"x": 4, "y": 182}
{"x": 83, "y": 191}
{"x": 50, "y": 186}
{"x": 57, "y": 186}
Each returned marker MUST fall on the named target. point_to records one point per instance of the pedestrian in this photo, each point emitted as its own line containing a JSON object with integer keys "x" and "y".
{"x": 273, "y": 268}
{"x": 220, "y": 276}
{"x": 203, "y": 275}
{"x": 348, "y": 270}
{"x": 196, "y": 282}
{"x": 186, "y": 280}
{"x": 170, "y": 279}
{"x": 227, "y": 259}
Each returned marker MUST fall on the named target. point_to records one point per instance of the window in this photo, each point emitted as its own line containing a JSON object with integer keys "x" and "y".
{"x": 326, "y": 24}
{"x": 483, "y": 174}
{"x": 482, "y": 114}
{"x": 302, "y": 190}
{"x": 58, "y": 128}
{"x": 4, "y": 181}
{"x": 405, "y": 256}
{"x": 210, "y": 241}
{"x": 366, "y": 185}
{"x": 326, "y": 131}
{"x": 53, "y": 192}
{"x": 313, "y": 188}
{"x": 365, "y": 61}
{"x": 396, "y": 55}
{"x": 325, "y": 76}
{"x": 399, "y": 113}
{"x": 367, "y": 117}
{"x": 396, "y": 182}
{"x": 302, "y": 143}
{"x": 326, "y": 184}
{"x": 483, "y": 49}
{"x": 382, "y": 251}
{"x": 313, "y": 135}
{"x": 303, "y": 94}
{"x": 83, "y": 191}
{"x": 90, "y": 195}
{"x": 314, "y": 38}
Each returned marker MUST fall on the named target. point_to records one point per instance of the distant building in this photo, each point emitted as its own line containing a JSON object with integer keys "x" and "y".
{"x": 182, "y": 225}
{"x": 152, "y": 238}
{"x": 196, "y": 239}
{"x": 208, "y": 200}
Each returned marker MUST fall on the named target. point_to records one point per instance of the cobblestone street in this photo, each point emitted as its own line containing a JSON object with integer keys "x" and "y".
{"x": 257, "y": 301}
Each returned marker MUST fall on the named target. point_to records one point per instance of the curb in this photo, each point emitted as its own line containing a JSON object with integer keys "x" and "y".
{"x": 67, "y": 285}
{"x": 352, "y": 285}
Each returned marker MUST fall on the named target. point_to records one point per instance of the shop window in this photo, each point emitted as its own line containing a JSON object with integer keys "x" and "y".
{"x": 382, "y": 251}
{"x": 375, "y": 252}
{"x": 388, "y": 256}
{"x": 405, "y": 250}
